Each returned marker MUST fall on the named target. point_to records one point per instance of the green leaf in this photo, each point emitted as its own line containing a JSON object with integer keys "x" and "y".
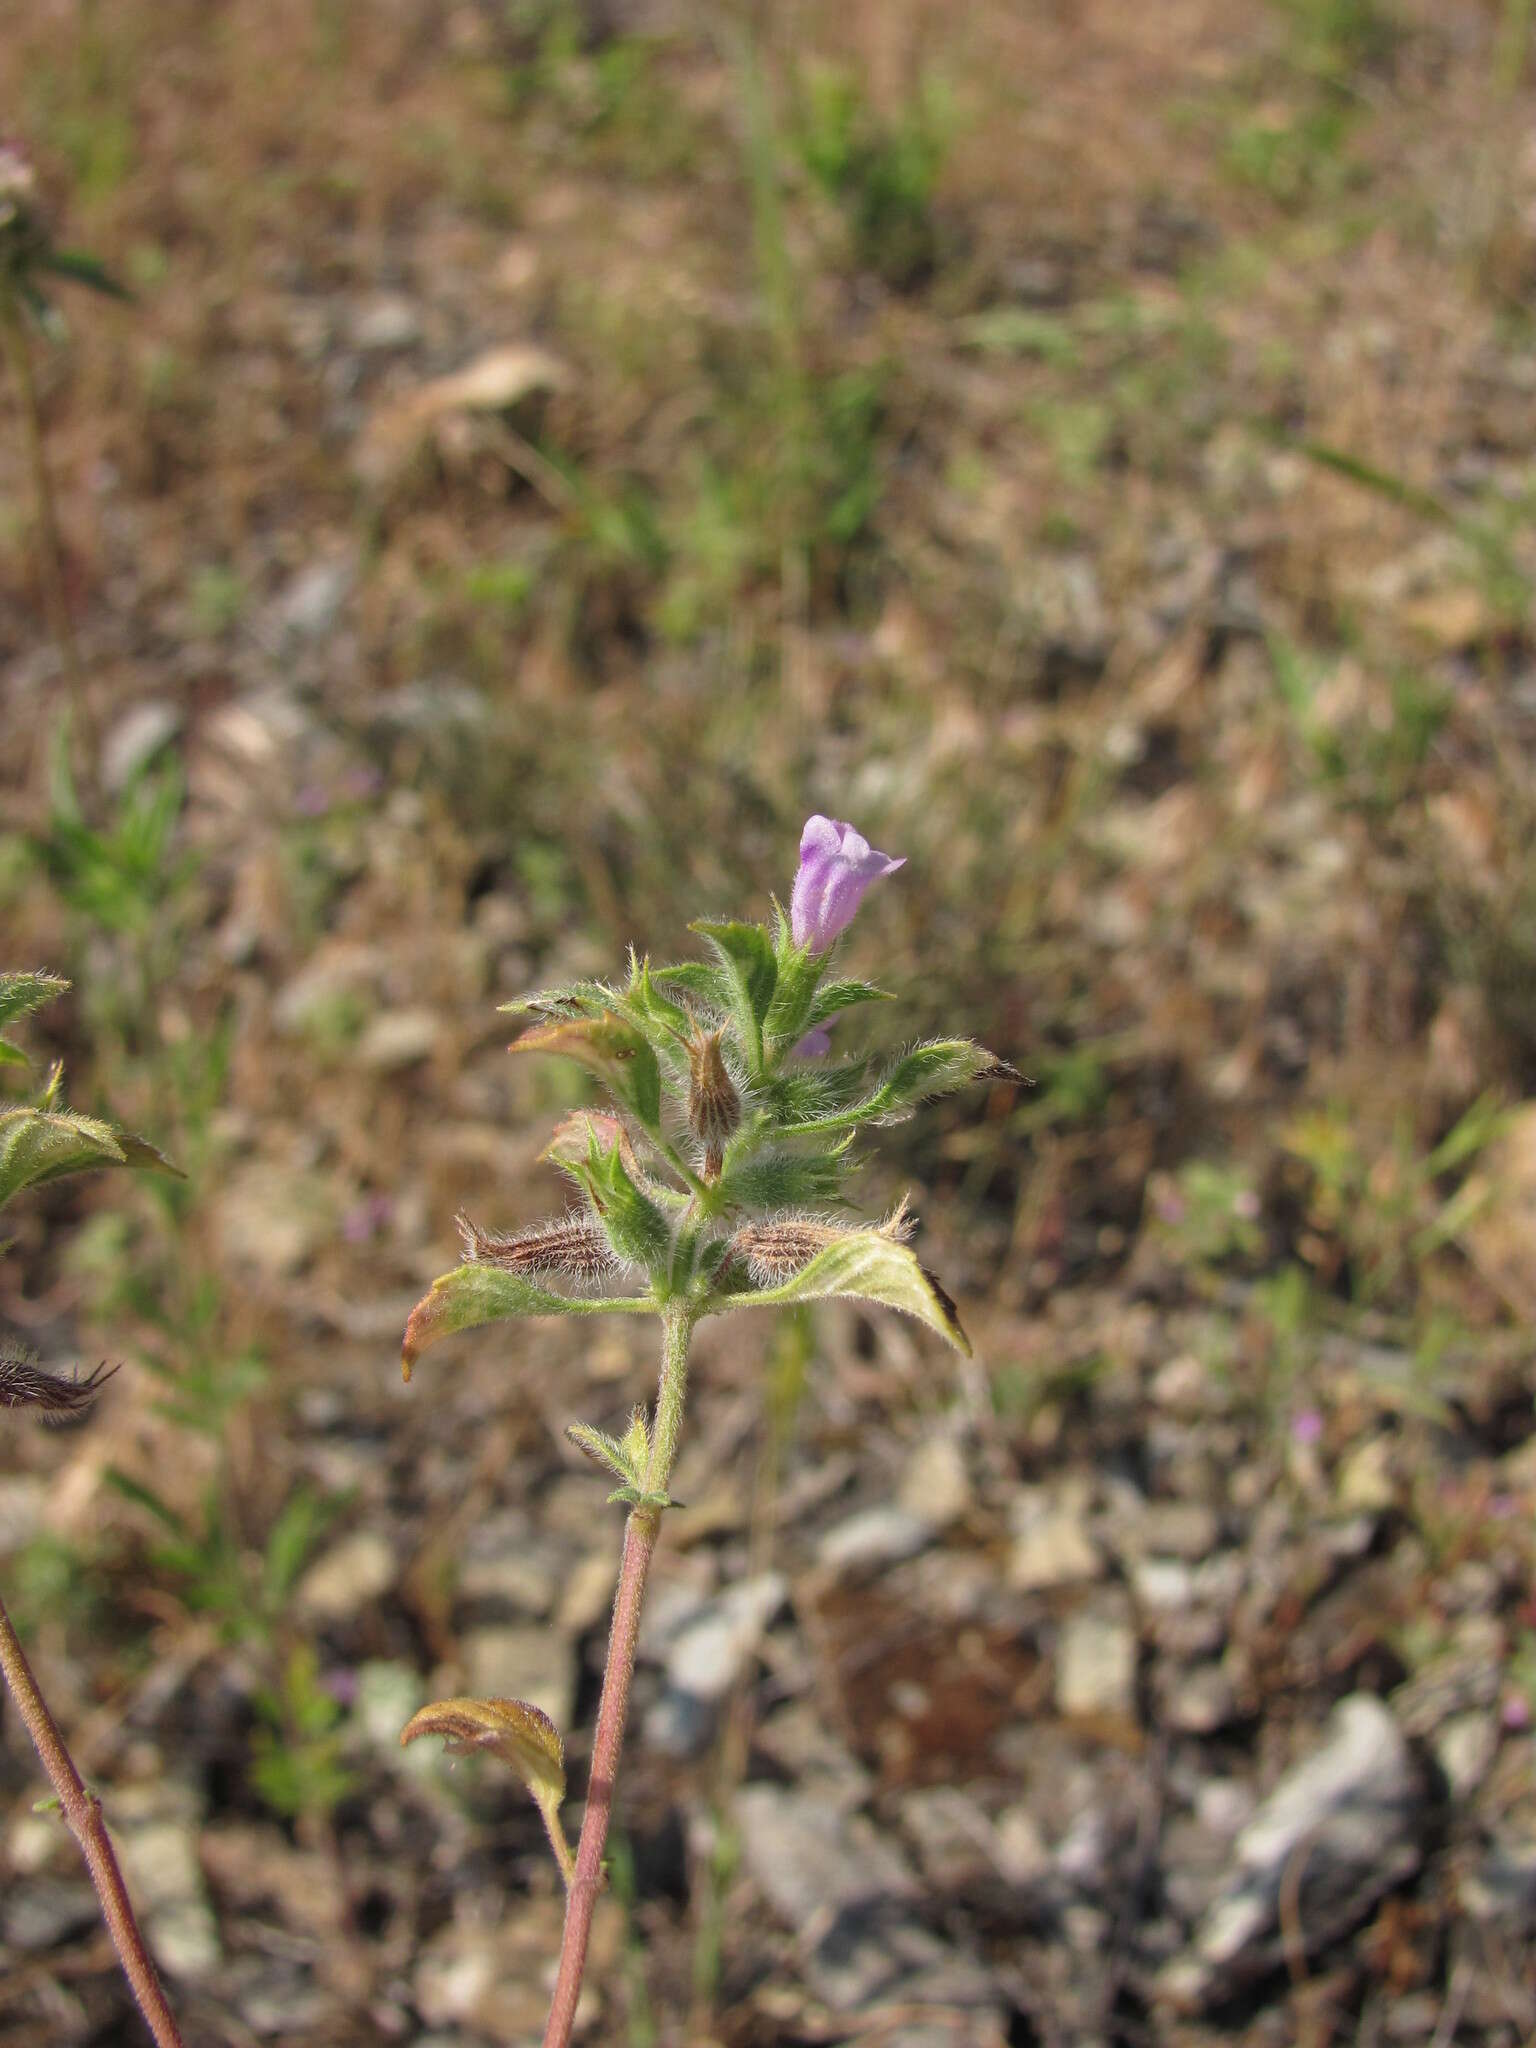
{"x": 799, "y": 970}
{"x": 20, "y": 994}
{"x": 12, "y": 1055}
{"x": 648, "y": 1001}
{"x": 784, "y": 1180}
{"x": 937, "y": 1068}
{"x": 835, "y": 996}
{"x": 746, "y": 953}
{"x": 82, "y": 269}
{"x": 474, "y": 1294}
{"x": 612, "y": 1049}
{"x": 606, "y": 1450}
{"x": 701, "y": 980}
{"x": 866, "y": 1265}
{"x": 633, "y": 1497}
{"x": 38, "y": 1145}
{"x": 637, "y": 1229}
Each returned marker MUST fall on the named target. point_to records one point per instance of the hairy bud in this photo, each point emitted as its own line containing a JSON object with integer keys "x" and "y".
{"x": 777, "y": 1250}
{"x": 26, "y": 1384}
{"x": 572, "y": 1244}
{"x": 714, "y": 1107}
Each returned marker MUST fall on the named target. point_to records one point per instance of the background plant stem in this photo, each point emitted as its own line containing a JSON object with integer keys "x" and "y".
{"x": 50, "y": 554}
{"x": 82, "y": 1812}
{"x": 640, "y": 1533}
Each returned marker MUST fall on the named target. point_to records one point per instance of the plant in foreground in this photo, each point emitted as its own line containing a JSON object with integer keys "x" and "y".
{"x": 706, "y": 1187}
{"x": 42, "y": 1141}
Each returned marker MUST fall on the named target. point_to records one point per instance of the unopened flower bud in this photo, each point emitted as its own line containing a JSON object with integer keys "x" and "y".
{"x": 571, "y": 1244}
{"x": 714, "y": 1107}
{"x": 26, "y": 1384}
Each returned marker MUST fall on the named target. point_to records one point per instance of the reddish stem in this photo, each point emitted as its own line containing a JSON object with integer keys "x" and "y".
{"x": 640, "y": 1533}
{"x": 82, "y": 1812}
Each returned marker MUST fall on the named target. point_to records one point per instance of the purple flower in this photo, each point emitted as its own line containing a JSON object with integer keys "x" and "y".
{"x": 837, "y": 865}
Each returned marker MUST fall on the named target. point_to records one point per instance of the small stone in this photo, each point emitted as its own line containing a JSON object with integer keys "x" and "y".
{"x": 1051, "y": 1544}
{"x": 311, "y": 604}
{"x": 1340, "y": 1829}
{"x": 155, "y": 1828}
{"x": 388, "y": 322}
{"x": 1198, "y": 1702}
{"x": 353, "y": 1573}
{"x": 1365, "y": 1484}
{"x": 1182, "y": 1386}
{"x": 398, "y": 1039}
{"x": 1164, "y": 1585}
{"x": 588, "y": 1594}
{"x": 1185, "y": 1529}
{"x": 936, "y": 1488}
{"x": 875, "y": 1536}
{"x": 532, "y": 1664}
{"x": 1096, "y": 1664}
{"x": 1465, "y": 1749}
{"x": 712, "y": 1651}
{"x": 855, "y": 1900}
{"x": 135, "y": 740}
{"x": 45, "y": 1911}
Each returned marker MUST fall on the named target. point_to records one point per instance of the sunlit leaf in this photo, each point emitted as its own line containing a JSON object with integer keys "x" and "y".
{"x": 867, "y": 1265}
{"x": 475, "y": 1294}
{"x": 613, "y": 1050}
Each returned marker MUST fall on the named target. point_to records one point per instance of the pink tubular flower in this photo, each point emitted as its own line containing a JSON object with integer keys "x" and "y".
{"x": 837, "y": 865}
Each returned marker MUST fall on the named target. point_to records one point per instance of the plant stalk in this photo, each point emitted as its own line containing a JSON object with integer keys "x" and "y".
{"x": 50, "y": 553}
{"x": 640, "y": 1533}
{"x": 82, "y": 1812}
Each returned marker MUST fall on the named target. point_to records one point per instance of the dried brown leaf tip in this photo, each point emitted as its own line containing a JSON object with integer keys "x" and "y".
{"x": 571, "y": 1244}
{"x": 714, "y": 1107}
{"x": 26, "y": 1384}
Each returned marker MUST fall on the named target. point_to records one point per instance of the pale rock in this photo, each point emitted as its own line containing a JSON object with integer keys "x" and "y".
{"x": 1465, "y": 1748}
{"x": 875, "y": 1536}
{"x": 935, "y": 1487}
{"x": 1341, "y": 1828}
{"x": 351, "y": 1575}
{"x": 310, "y": 605}
{"x": 386, "y": 323}
{"x": 1051, "y": 1544}
{"x": 396, "y": 1039}
{"x": 1365, "y": 1484}
{"x": 1096, "y": 1663}
{"x": 135, "y": 740}
{"x": 532, "y": 1664}
{"x": 711, "y": 1652}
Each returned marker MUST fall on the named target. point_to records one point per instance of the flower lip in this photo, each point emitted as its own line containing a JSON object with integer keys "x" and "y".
{"x": 837, "y": 865}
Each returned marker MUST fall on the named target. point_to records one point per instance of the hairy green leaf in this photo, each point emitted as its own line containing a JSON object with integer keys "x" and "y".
{"x": 612, "y": 1049}
{"x": 472, "y": 1295}
{"x": 746, "y": 953}
{"x": 868, "y": 1265}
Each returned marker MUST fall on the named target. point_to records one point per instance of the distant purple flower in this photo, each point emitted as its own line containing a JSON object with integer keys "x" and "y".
{"x": 1306, "y": 1426}
{"x": 837, "y": 864}
{"x": 816, "y": 1044}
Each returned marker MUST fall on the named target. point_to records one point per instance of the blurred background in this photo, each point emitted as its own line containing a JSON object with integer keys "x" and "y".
{"x": 552, "y": 449}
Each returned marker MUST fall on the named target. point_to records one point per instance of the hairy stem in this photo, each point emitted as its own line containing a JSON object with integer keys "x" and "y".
{"x": 82, "y": 1812}
{"x": 50, "y": 553}
{"x": 640, "y": 1533}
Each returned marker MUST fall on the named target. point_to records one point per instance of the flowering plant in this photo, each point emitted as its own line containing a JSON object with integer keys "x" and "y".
{"x": 705, "y": 1186}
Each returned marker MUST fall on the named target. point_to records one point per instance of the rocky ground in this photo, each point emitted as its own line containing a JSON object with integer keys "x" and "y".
{"x": 551, "y": 452}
